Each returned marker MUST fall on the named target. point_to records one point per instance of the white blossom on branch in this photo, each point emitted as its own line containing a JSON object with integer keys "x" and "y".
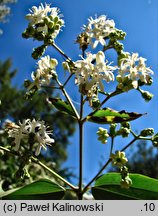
{"x": 45, "y": 20}
{"x": 36, "y": 130}
{"x": 134, "y": 68}
{"x": 98, "y": 29}
{"x": 45, "y": 71}
{"x": 92, "y": 71}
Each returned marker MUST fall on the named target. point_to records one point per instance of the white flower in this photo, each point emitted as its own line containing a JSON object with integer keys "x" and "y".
{"x": 91, "y": 75}
{"x": 134, "y": 68}
{"x": 119, "y": 158}
{"x": 45, "y": 19}
{"x": 38, "y": 14}
{"x": 18, "y": 132}
{"x": 98, "y": 29}
{"x": 45, "y": 71}
{"x": 27, "y": 128}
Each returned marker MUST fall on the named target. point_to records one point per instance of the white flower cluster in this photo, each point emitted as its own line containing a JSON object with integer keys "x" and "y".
{"x": 90, "y": 75}
{"x": 4, "y": 10}
{"x": 45, "y": 19}
{"x": 98, "y": 29}
{"x": 45, "y": 71}
{"x": 27, "y": 128}
{"x": 134, "y": 68}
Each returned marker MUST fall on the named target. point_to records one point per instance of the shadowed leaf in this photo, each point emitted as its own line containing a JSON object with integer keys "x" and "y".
{"x": 43, "y": 189}
{"x": 61, "y": 105}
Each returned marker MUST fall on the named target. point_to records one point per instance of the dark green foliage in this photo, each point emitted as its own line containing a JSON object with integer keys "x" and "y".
{"x": 63, "y": 106}
{"x": 39, "y": 190}
{"x": 107, "y": 187}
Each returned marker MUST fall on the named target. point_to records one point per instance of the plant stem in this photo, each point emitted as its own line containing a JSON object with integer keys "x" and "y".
{"x": 100, "y": 171}
{"x": 110, "y": 46}
{"x": 35, "y": 160}
{"x": 61, "y": 52}
{"x": 50, "y": 87}
{"x": 68, "y": 99}
{"x": 144, "y": 138}
{"x": 112, "y": 144}
{"x": 67, "y": 80}
{"x": 9, "y": 151}
{"x": 80, "y": 150}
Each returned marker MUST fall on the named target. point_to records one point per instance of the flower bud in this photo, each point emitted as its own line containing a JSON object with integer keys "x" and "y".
{"x": 121, "y": 35}
{"x": 95, "y": 102}
{"x": 117, "y": 35}
{"x": 56, "y": 19}
{"x": 29, "y": 32}
{"x": 46, "y": 20}
{"x": 146, "y": 95}
{"x": 124, "y": 172}
{"x": 147, "y": 132}
{"x": 126, "y": 125}
{"x": 38, "y": 52}
{"x": 126, "y": 183}
{"x": 57, "y": 27}
{"x": 124, "y": 132}
{"x": 27, "y": 83}
{"x": 50, "y": 25}
{"x": 124, "y": 83}
{"x": 118, "y": 46}
{"x": 149, "y": 81}
{"x": 25, "y": 35}
{"x": 102, "y": 135}
{"x": 112, "y": 131}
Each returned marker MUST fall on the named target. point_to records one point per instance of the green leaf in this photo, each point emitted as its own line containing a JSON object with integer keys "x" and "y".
{"x": 43, "y": 189}
{"x": 61, "y": 105}
{"x": 107, "y": 187}
{"x": 108, "y": 116}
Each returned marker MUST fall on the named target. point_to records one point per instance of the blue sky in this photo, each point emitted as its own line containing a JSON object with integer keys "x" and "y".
{"x": 139, "y": 19}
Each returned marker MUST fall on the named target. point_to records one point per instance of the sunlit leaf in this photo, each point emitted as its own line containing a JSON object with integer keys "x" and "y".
{"x": 107, "y": 187}
{"x": 43, "y": 189}
{"x": 108, "y": 116}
